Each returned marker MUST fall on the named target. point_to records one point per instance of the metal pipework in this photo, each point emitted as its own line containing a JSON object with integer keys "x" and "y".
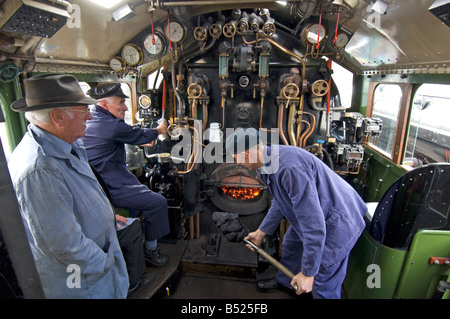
{"x": 273, "y": 261}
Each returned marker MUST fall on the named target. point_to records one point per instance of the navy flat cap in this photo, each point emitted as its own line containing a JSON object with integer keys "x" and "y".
{"x": 241, "y": 140}
{"x": 106, "y": 90}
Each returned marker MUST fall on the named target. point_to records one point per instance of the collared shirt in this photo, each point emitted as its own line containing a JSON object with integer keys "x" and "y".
{"x": 324, "y": 210}
{"x": 105, "y": 141}
{"x": 70, "y": 223}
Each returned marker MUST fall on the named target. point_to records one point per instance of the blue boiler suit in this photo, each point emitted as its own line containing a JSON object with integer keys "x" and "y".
{"x": 325, "y": 215}
{"x": 105, "y": 141}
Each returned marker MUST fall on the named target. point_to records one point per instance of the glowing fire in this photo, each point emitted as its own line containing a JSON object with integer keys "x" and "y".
{"x": 242, "y": 193}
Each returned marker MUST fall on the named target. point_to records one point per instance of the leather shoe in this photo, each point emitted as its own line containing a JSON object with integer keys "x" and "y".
{"x": 155, "y": 258}
{"x": 144, "y": 281}
{"x": 266, "y": 285}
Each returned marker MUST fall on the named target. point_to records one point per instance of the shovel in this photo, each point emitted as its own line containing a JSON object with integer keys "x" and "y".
{"x": 273, "y": 261}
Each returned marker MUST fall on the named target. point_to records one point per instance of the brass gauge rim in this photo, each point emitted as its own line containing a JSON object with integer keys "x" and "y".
{"x": 144, "y": 105}
{"x": 307, "y": 30}
{"x": 122, "y": 62}
{"x": 138, "y": 49}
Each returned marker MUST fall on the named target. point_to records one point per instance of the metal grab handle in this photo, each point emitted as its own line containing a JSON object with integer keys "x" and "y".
{"x": 273, "y": 261}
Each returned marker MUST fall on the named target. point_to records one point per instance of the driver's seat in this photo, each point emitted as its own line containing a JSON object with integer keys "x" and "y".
{"x": 405, "y": 250}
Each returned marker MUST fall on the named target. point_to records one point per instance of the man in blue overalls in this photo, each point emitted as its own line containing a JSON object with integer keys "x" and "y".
{"x": 105, "y": 139}
{"x": 324, "y": 211}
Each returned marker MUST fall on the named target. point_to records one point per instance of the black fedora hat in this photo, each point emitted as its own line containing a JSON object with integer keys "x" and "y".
{"x": 106, "y": 90}
{"x": 51, "y": 91}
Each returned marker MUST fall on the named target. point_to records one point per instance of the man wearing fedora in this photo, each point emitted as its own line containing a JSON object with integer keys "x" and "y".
{"x": 325, "y": 213}
{"x": 105, "y": 139}
{"x": 69, "y": 221}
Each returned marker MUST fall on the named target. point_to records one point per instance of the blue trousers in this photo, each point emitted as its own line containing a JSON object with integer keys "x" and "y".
{"x": 154, "y": 208}
{"x": 327, "y": 282}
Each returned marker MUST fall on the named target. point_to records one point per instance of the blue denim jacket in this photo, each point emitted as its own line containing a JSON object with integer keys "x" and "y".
{"x": 323, "y": 209}
{"x": 105, "y": 141}
{"x": 68, "y": 219}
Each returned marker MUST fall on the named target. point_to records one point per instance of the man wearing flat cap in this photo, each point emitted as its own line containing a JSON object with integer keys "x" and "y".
{"x": 105, "y": 139}
{"x": 324, "y": 211}
{"x": 68, "y": 219}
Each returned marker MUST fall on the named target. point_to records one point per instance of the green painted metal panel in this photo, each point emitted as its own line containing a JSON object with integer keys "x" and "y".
{"x": 368, "y": 252}
{"x": 16, "y": 123}
{"x": 420, "y": 278}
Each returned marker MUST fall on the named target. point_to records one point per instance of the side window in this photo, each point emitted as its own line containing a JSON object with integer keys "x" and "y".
{"x": 344, "y": 81}
{"x": 429, "y": 131}
{"x": 386, "y": 106}
{"x": 154, "y": 79}
{"x": 129, "y": 113}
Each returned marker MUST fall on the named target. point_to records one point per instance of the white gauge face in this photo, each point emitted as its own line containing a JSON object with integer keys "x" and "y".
{"x": 176, "y": 32}
{"x": 145, "y": 101}
{"x": 312, "y": 33}
{"x": 154, "y": 49}
{"x": 116, "y": 64}
{"x": 131, "y": 54}
{"x": 341, "y": 40}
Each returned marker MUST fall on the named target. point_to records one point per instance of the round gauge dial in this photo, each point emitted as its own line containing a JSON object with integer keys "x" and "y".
{"x": 145, "y": 101}
{"x": 311, "y": 33}
{"x": 132, "y": 54}
{"x": 341, "y": 40}
{"x": 117, "y": 64}
{"x": 154, "y": 49}
{"x": 176, "y": 31}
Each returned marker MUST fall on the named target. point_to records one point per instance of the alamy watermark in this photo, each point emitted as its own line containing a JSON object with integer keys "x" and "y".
{"x": 74, "y": 279}
{"x": 373, "y": 21}
{"x": 74, "y": 21}
{"x": 192, "y": 147}
{"x": 374, "y": 279}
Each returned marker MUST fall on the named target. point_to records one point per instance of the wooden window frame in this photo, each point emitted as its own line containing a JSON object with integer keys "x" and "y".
{"x": 401, "y": 132}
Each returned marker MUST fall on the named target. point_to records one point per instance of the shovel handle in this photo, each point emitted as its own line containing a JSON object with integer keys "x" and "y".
{"x": 273, "y": 261}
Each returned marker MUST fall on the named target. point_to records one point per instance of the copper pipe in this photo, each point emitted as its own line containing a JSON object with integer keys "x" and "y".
{"x": 205, "y": 116}
{"x": 280, "y": 124}
{"x": 307, "y": 134}
{"x": 261, "y": 112}
{"x": 290, "y": 126}
{"x": 197, "y": 226}
{"x": 191, "y": 227}
{"x": 301, "y": 142}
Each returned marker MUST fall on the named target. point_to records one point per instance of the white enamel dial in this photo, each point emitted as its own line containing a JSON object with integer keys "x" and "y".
{"x": 117, "y": 64}
{"x": 132, "y": 54}
{"x": 176, "y": 32}
{"x": 154, "y": 49}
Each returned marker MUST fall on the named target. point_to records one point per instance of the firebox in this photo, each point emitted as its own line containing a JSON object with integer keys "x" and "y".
{"x": 238, "y": 190}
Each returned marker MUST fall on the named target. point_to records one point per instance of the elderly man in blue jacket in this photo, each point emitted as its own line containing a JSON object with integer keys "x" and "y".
{"x": 105, "y": 139}
{"x": 324, "y": 211}
{"x": 68, "y": 219}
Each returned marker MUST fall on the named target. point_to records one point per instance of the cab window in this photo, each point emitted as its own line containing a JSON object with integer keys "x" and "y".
{"x": 386, "y": 106}
{"x": 429, "y": 131}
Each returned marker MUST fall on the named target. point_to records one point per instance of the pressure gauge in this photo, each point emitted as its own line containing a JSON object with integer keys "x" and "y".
{"x": 132, "y": 54}
{"x": 311, "y": 33}
{"x": 176, "y": 31}
{"x": 154, "y": 49}
{"x": 145, "y": 101}
{"x": 341, "y": 40}
{"x": 117, "y": 64}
